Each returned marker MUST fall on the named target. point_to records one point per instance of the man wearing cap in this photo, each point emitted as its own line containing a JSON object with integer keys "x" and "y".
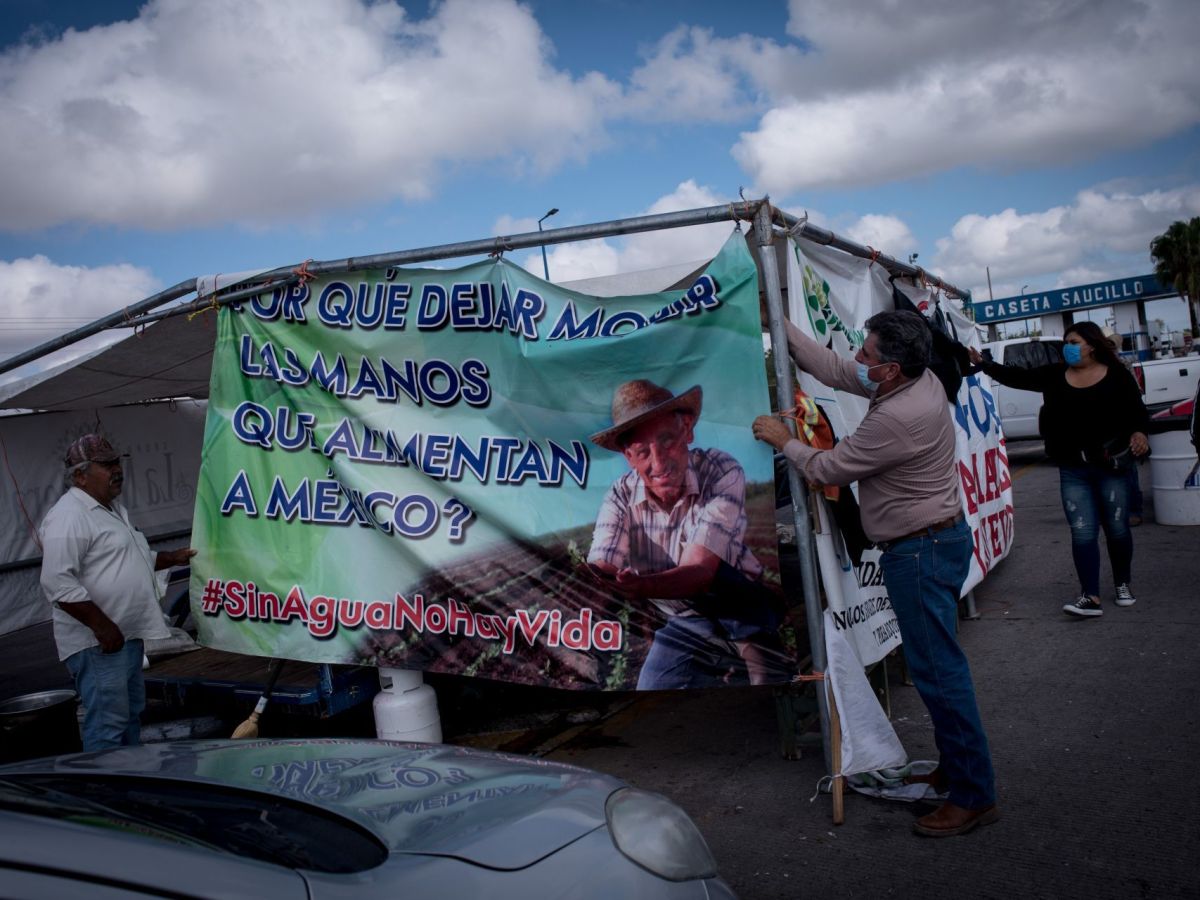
{"x": 903, "y": 457}
{"x": 98, "y": 574}
{"x": 672, "y": 530}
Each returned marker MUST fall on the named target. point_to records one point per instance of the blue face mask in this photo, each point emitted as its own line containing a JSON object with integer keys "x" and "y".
{"x": 864, "y": 377}
{"x": 1072, "y": 354}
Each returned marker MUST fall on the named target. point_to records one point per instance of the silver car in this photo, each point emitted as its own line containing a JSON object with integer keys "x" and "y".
{"x": 338, "y": 818}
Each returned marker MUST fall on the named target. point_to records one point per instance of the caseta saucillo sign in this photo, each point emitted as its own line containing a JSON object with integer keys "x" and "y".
{"x": 475, "y": 471}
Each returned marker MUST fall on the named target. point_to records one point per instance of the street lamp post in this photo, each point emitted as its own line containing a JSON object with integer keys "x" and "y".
{"x": 545, "y": 265}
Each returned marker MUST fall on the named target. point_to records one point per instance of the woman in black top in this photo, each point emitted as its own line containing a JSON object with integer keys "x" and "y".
{"x": 1094, "y": 423}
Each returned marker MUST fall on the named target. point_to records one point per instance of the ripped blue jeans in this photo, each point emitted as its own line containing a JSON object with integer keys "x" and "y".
{"x": 1094, "y": 499}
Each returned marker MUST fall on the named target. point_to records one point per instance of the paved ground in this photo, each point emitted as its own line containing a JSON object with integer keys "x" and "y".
{"x": 1092, "y": 724}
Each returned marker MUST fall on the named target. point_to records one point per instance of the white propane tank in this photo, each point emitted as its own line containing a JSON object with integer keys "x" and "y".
{"x": 406, "y": 708}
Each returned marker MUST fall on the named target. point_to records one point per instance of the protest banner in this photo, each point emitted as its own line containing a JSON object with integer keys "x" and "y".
{"x": 831, "y": 297}
{"x": 398, "y": 470}
{"x": 984, "y": 477}
{"x": 837, "y": 294}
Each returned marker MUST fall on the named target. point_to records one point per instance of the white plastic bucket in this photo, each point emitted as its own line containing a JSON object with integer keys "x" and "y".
{"x": 406, "y": 708}
{"x": 1172, "y": 458}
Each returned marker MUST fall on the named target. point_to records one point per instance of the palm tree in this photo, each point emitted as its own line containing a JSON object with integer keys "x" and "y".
{"x": 1176, "y": 255}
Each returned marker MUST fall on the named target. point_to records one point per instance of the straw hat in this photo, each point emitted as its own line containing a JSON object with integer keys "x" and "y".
{"x": 636, "y": 401}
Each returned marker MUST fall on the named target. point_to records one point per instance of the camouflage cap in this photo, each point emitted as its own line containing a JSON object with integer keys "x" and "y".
{"x": 91, "y": 448}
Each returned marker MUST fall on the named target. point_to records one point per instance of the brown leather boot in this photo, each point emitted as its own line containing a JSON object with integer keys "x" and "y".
{"x": 949, "y": 820}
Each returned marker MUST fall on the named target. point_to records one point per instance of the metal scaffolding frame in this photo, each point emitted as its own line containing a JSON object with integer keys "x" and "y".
{"x": 765, "y": 218}
{"x": 140, "y": 313}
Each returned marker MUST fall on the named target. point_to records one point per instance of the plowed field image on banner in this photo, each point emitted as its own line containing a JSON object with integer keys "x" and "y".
{"x": 478, "y": 472}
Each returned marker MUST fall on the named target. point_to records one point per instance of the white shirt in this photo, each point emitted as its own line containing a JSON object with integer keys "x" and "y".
{"x": 91, "y": 552}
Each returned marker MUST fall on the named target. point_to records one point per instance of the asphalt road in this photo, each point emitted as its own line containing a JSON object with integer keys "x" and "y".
{"x": 1092, "y": 724}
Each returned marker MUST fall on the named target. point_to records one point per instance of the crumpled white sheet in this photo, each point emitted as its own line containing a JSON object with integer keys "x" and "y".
{"x": 888, "y": 784}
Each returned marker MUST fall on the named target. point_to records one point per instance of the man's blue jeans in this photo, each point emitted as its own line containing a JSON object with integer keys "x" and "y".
{"x": 113, "y": 694}
{"x": 688, "y": 652}
{"x": 1094, "y": 499}
{"x": 923, "y": 577}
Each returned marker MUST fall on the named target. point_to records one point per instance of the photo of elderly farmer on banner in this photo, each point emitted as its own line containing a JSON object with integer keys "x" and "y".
{"x": 672, "y": 531}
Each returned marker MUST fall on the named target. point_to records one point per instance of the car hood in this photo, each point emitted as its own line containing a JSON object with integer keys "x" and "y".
{"x": 493, "y": 809}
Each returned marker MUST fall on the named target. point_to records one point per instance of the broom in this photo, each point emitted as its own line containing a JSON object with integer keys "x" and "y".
{"x": 249, "y": 728}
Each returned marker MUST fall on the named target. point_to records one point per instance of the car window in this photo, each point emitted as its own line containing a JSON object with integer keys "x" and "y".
{"x": 246, "y": 823}
{"x": 1031, "y": 354}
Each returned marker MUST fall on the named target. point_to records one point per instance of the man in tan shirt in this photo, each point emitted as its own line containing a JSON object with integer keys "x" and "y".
{"x": 903, "y": 457}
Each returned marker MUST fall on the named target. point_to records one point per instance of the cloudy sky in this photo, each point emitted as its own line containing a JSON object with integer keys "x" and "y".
{"x": 145, "y": 143}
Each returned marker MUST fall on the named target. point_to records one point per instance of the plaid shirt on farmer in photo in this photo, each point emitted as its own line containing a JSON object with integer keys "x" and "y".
{"x": 633, "y": 532}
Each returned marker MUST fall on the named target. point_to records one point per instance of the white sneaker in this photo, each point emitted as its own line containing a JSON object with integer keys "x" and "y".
{"x": 1125, "y": 595}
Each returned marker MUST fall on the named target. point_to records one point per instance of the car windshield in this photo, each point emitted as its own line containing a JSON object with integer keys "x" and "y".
{"x": 245, "y": 823}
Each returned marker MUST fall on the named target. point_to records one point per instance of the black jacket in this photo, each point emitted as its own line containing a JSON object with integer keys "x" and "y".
{"x": 1078, "y": 423}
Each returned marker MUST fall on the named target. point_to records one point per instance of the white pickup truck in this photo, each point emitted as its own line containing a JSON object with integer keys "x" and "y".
{"x": 1167, "y": 381}
{"x": 1019, "y": 409}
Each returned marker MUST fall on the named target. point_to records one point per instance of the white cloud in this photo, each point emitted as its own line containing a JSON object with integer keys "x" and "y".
{"x": 1103, "y": 234}
{"x": 894, "y": 91}
{"x": 255, "y": 111}
{"x": 692, "y": 76}
{"x": 657, "y": 249}
{"x": 579, "y": 259}
{"x": 507, "y": 224}
{"x": 41, "y": 300}
{"x": 675, "y": 245}
{"x": 637, "y": 252}
{"x": 884, "y": 233}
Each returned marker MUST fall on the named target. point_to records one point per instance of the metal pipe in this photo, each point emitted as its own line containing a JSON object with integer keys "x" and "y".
{"x": 707, "y": 215}
{"x": 818, "y": 235}
{"x": 120, "y": 317}
{"x": 813, "y": 615}
{"x": 727, "y": 212}
{"x": 129, "y": 316}
{"x": 495, "y": 246}
{"x": 201, "y": 303}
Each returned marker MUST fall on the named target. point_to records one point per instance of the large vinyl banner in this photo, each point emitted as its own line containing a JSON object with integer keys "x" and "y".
{"x": 837, "y": 294}
{"x": 831, "y": 296}
{"x": 474, "y": 471}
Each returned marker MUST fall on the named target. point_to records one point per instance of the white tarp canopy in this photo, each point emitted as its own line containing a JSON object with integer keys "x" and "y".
{"x": 170, "y": 358}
